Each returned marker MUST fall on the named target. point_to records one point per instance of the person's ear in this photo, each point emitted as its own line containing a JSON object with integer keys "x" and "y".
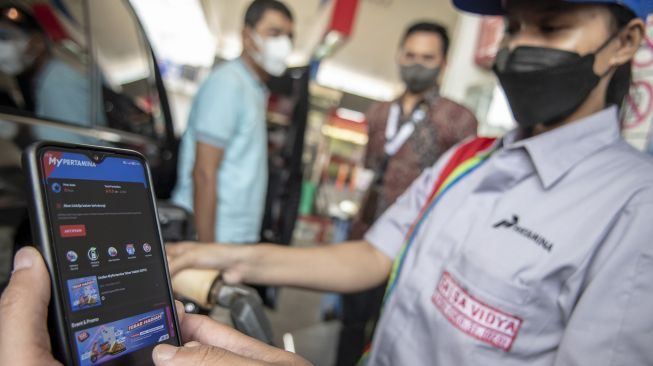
{"x": 630, "y": 40}
{"x": 248, "y": 41}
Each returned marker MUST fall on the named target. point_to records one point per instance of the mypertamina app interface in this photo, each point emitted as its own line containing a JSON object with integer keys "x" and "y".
{"x": 109, "y": 257}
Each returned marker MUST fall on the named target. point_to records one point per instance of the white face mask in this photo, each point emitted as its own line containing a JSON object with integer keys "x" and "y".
{"x": 272, "y": 53}
{"x": 12, "y": 56}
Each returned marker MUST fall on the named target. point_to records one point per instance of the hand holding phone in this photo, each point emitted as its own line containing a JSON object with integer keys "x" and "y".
{"x": 94, "y": 218}
{"x": 23, "y": 311}
{"x": 24, "y": 336}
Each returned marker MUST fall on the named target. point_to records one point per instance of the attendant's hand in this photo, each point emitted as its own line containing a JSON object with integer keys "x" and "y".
{"x": 228, "y": 259}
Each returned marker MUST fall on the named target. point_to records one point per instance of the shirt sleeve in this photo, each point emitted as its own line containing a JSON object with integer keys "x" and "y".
{"x": 468, "y": 125}
{"x": 455, "y": 123}
{"x": 216, "y": 109}
{"x": 612, "y": 321}
{"x": 388, "y": 232}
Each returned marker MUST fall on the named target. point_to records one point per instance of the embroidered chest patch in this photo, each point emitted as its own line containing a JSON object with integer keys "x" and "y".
{"x": 473, "y": 317}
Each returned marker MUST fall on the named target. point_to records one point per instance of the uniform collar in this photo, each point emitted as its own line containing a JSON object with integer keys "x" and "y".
{"x": 554, "y": 153}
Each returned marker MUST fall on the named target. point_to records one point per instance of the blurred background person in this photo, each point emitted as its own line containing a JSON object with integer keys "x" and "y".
{"x": 48, "y": 86}
{"x": 406, "y": 136}
{"x": 223, "y": 156}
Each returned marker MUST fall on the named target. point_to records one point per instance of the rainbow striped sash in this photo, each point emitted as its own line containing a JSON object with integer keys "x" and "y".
{"x": 467, "y": 158}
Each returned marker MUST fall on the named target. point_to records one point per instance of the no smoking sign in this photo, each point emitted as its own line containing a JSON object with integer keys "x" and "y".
{"x": 639, "y": 104}
{"x": 638, "y": 107}
{"x": 644, "y": 58}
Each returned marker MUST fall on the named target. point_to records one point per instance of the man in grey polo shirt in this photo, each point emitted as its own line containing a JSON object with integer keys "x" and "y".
{"x": 539, "y": 249}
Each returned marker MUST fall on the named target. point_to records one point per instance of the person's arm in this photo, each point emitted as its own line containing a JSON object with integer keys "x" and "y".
{"x": 468, "y": 125}
{"x": 457, "y": 123}
{"x": 215, "y": 116}
{"x": 611, "y": 322}
{"x": 205, "y": 196}
{"x": 347, "y": 267}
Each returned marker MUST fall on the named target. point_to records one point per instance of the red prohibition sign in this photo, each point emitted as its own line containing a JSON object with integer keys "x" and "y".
{"x": 648, "y": 48}
{"x": 638, "y": 113}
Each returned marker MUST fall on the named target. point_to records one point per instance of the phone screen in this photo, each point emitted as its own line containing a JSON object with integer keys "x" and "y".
{"x": 109, "y": 256}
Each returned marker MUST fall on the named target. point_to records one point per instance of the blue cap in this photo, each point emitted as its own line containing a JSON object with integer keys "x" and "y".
{"x": 641, "y": 8}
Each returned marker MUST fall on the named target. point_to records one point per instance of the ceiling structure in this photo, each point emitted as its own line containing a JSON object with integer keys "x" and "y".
{"x": 365, "y": 65}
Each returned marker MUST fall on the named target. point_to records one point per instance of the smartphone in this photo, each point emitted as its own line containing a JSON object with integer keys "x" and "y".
{"x": 94, "y": 218}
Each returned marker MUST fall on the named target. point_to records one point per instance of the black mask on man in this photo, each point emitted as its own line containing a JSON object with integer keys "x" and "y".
{"x": 545, "y": 85}
{"x": 419, "y": 78}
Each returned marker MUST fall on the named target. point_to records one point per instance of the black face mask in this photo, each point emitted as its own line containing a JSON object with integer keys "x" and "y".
{"x": 545, "y": 85}
{"x": 419, "y": 78}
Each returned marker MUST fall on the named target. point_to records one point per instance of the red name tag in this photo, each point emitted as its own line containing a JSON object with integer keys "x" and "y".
{"x": 72, "y": 231}
{"x": 473, "y": 317}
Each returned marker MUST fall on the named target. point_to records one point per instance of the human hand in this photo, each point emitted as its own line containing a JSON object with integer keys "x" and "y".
{"x": 230, "y": 260}
{"x": 24, "y": 338}
{"x": 210, "y": 343}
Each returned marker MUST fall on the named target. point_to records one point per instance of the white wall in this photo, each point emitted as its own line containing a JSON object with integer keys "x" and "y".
{"x": 462, "y": 72}
{"x": 473, "y": 86}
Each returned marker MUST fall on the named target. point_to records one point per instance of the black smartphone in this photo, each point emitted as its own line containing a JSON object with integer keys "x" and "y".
{"x": 94, "y": 218}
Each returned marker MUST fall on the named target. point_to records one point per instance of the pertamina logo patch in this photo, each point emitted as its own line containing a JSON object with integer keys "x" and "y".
{"x": 473, "y": 317}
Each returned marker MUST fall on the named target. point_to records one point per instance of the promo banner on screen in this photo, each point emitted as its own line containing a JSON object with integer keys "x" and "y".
{"x": 112, "y": 340}
{"x": 84, "y": 293}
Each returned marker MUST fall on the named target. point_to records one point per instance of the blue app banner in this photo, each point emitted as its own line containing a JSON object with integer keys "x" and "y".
{"x": 84, "y": 293}
{"x": 66, "y": 165}
{"x": 112, "y": 340}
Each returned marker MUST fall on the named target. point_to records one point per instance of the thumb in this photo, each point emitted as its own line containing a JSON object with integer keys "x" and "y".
{"x": 24, "y": 304}
{"x": 198, "y": 355}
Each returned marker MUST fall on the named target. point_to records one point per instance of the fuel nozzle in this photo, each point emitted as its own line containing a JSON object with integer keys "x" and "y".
{"x": 246, "y": 309}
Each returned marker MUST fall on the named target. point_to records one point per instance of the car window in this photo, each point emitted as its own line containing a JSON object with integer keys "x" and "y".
{"x": 44, "y": 69}
{"x": 124, "y": 70}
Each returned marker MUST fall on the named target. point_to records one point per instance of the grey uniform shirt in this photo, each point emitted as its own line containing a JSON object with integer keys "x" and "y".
{"x": 542, "y": 256}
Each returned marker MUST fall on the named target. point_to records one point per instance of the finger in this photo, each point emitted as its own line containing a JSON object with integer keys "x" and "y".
{"x": 192, "y": 344}
{"x": 201, "y": 355}
{"x": 207, "y": 331}
{"x": 23, "y": 307}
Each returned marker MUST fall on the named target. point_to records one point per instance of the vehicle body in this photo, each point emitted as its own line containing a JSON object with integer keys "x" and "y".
{"x": 104, "y": 42}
